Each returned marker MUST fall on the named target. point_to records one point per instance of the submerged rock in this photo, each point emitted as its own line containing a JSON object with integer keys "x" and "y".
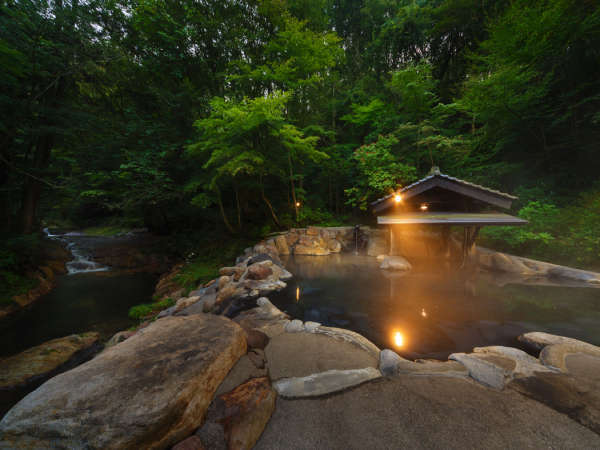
{"x": 43, "y": 360}
{"x": 395, "y": 263}
{"x": 150, "y": 391}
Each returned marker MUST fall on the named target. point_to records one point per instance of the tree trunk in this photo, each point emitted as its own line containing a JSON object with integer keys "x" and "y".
{"x": 33, "y": 187}
{"x": 292, "y": 185}
{"x": 239, "y": 210}
{"x": 268, "y": 203}
{"x": 223, "y": 215}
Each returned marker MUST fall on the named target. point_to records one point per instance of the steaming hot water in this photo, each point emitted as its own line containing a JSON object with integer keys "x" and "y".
{"x": 431, "y": 312}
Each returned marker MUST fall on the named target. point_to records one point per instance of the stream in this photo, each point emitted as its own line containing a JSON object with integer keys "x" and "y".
{"x": 90, "y": 297}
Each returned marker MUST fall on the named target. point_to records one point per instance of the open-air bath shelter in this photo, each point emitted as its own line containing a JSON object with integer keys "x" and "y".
{"x": 436, "y": 203}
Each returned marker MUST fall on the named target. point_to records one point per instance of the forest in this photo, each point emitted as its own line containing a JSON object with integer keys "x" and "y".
{"x": 237, "y": 118}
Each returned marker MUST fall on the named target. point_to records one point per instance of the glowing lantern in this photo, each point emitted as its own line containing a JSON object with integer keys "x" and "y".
{"x": 297, "y": 204}
{"x": 424, "y": 207}
{"x": 423, "y": 312}
{"x": 398, "y": 339}
{"x": 397, "y": 198}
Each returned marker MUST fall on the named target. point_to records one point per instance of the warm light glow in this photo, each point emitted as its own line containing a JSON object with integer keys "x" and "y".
{"x": 397, "y": 198}
{"x": 424, "y": 207}
{"x": 297, "y": 293}
{"x": 398, "y": 339}
{"x": 297, "y": 204}
{"x": 423, "y": 312}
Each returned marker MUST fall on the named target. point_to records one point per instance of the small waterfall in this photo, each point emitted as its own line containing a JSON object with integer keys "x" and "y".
{"x": 81, "y": 261}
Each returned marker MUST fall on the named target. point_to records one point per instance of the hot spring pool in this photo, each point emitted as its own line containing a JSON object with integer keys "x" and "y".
{"x": 431, "y": 313}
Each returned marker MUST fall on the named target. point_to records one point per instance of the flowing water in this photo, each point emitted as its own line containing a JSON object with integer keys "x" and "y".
{"x": 89, "y": 298}
{"x": 431, "y": 312}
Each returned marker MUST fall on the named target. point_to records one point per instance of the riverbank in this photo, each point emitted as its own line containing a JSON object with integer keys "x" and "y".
{"x": 29, "y": 270}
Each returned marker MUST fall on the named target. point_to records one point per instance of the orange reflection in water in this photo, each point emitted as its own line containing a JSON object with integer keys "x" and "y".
{"x": 297, "y": 293}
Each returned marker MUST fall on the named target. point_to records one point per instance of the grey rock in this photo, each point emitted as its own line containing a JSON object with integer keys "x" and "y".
{"x": 212, "y": 435}
{"x": 568, "y": 273}
{"x": 311, "y": 326}
{"x": 257, "y": 357}
{"x": 324, "y": 382}
{"x": 395, "y": 263}
{"x": 355, "y": 339}
{"x": 198, "y": 292}
{"x": 167, "y": 312}
{"x": 493, "y": 373}
{"x": 241, "y": 372}
{"x": 538, "y": 340}
{"x": 388, "y": 362}
{"x": 295, "y": 326}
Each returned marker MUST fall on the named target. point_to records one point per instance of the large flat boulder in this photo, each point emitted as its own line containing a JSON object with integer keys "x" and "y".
{"x": 150, "y": 391}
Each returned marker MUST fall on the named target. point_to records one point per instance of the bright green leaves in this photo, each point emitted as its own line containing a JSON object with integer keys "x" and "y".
{"x": 248, "y": 140}
{"x": 379, "y": 171}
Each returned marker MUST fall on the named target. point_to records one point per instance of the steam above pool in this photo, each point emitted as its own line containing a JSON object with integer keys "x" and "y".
{"x": 432, "y": 312}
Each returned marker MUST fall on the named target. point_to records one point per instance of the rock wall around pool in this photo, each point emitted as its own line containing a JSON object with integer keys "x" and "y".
{"x": 416, "y": 244}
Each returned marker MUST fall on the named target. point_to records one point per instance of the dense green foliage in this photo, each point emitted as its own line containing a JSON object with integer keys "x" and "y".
{"x": 255, "y": 115}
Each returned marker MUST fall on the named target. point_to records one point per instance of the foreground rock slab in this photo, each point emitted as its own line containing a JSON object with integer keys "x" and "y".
{"x": 150, "y": 391}
{"x": 421, "y": 412}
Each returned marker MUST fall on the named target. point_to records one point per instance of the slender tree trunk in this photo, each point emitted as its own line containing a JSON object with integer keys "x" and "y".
{"x": 268, "y": 203}
{"x": 239, "y": 210}
{"x": 33, "y": 187}
{"x": 223, "y": 215}
{"x": 292, "y": 185}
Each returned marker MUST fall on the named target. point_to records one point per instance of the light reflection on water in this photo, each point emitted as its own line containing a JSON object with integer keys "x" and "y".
{"x": 437, "y": 312}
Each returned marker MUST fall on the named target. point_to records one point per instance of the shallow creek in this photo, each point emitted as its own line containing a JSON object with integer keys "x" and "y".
{"x": 431, "y": 312}
{"x": 91, "y": 297}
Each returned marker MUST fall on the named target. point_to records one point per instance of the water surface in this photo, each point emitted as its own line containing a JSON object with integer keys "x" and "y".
{"x": 436, "y": 311}
{"x": 96, "y": 301}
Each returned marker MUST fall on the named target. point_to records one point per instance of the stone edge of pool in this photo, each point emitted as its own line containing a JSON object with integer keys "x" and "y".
{"x": 275, "y": 356}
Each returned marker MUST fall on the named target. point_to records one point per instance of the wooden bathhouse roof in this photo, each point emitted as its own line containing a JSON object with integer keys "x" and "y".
{"x": 438, "y": 179}
{"x": 450, "y": 201}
